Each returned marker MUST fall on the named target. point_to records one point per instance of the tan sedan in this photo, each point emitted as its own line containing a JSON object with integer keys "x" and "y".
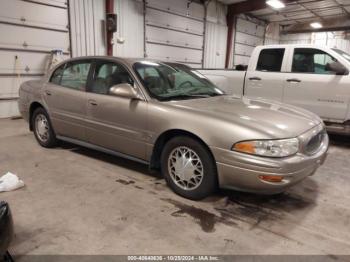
{"x": 172, "y": 118}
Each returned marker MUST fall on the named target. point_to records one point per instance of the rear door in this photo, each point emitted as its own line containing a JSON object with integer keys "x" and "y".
{"x": 115, "y": 123}
{"x": 311, "y": 86}
{"x": 265, "y": 76}
{"x": 65, "y": 97}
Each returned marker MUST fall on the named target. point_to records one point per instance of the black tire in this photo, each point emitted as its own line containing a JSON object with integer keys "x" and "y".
{"x": 8, "y": 257}
{"x": 209, "y": 182}
{"x": 51, "y": 140}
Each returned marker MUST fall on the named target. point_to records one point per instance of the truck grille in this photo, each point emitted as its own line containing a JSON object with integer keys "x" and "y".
{"x": 315, "y": 143}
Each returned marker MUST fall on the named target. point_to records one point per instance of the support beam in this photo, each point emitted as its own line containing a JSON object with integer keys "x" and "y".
{"x": 109, "y": 10}
{"x": 229, "y": 42}
{"x": 240, "y": 8}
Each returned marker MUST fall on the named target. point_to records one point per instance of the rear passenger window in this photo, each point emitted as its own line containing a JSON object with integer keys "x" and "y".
{"x": 75, "y": 75}
{"x": 270, "y": 60}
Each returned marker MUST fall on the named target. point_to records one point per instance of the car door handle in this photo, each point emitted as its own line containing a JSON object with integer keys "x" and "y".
{"x": 294, "y": 80}
{"x": 92, "y": 102}
{"x": 48, "y": 93}
{"x": 254, "y": 78}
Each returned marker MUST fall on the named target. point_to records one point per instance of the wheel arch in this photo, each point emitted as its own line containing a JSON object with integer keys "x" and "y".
{"x": 164, "y": 137}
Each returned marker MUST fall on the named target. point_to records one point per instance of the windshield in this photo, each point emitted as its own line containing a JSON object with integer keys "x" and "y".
{"x": 171, "y": 81}
{"x": 342, "y": 53}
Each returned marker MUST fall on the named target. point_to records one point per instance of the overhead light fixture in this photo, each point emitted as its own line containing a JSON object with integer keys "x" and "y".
{"x": 277, "y": 4}
{"x": 316, "y": 25}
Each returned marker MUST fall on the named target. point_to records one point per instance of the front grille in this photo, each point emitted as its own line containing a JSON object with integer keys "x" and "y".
{"x": 315, "y": 143}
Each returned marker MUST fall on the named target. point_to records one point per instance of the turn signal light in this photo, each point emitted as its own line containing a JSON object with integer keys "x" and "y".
{"x": 274, "y": 179}
{"x": 246, "y": 147}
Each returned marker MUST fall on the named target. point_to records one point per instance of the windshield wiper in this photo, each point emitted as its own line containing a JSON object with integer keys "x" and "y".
{"x": 208, "y": 95}
{"x": 185, "y": 96}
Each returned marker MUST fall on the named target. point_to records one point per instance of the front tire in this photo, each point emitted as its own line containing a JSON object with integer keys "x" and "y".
{"x": 42, "y": 128}
{"x": 188, "y": 168}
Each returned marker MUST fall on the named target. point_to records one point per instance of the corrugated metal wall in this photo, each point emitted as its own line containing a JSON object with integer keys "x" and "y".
{"x": 129, "y": 39}
{"x": 87, "y": 27}
{"x": 249, "y": 33}
{"x": 29, "y": 31}
{"x": 215, "y": 36}
{"x": 337, "y": 39}
{"x": 296, "y": 38}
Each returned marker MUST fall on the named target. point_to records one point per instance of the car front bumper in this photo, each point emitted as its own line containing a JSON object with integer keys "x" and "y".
{"x": 241, "y": 171}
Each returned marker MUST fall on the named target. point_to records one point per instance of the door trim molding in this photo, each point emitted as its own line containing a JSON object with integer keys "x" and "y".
{"x": 101, "y": 149}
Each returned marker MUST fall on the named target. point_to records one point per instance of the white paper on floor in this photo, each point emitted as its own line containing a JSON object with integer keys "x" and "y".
{"x": 9, "y": 182}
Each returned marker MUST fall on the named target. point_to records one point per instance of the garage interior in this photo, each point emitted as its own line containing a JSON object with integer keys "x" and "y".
{"x": 78, "y": 201}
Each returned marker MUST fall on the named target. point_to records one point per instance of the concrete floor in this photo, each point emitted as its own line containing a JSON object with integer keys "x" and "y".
{"x": 78, "y": 201}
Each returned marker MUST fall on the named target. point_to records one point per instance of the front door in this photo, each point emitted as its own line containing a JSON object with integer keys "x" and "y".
{"x": 311, "y": 86}
{"x": 116, "y": 123}
{"x": 65, "y": 98}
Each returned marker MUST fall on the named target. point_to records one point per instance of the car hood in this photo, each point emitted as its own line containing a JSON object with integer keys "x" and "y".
{"x": 273, "y": 119}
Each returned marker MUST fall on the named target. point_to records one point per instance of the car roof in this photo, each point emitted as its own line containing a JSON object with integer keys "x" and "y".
{"x": 127, "y": 60}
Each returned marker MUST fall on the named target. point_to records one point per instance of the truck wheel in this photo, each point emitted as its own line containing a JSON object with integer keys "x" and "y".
{"x": 188, "y": 168}
{"x": 42, "y": 127}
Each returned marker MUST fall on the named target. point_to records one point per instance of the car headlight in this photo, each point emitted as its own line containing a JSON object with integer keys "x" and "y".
{"x": 270, "y": 148}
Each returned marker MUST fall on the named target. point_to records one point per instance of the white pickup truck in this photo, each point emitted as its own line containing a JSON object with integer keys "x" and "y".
{"x": 312, "y": 77}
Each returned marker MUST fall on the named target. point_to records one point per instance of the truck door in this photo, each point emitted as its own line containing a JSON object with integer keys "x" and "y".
{"x": 265, "y": 77}
{"x": 311, "y": 86}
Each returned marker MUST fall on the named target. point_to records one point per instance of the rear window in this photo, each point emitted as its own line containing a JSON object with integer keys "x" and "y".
{"x": 270, "y": 60}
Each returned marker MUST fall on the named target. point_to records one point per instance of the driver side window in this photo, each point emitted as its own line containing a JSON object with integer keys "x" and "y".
{"x": 307, "y": 60}
{"x": 108, "y": 74}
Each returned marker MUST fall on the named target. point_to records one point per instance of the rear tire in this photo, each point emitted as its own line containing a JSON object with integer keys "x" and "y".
{"x": 43, "y": 131}
{"x": 188, "y": 168}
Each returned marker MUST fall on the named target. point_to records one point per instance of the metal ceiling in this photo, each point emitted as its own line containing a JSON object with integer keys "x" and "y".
{"x": 302, "y": 11}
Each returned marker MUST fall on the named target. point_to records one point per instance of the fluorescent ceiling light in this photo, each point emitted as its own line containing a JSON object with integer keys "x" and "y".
{"x": 316, "y": 25}
{"x": 277, "y": 4}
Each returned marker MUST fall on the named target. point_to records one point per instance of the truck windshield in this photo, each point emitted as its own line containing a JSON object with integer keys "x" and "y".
{"x": 172, "y": 81}
{"x": 342, "y": 53}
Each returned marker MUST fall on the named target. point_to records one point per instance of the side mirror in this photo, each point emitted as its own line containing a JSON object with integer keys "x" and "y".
{"x": 124, "y": 90}
{"x": 338, "y": 68}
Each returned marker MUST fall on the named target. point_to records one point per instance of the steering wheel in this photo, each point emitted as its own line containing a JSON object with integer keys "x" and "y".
{"x": 186, "y": 82}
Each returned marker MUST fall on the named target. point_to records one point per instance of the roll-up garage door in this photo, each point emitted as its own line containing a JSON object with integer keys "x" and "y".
{"x": 174, "y": 31}
{"x": 29, "y": 31}
{"x": 248, "y": 35}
